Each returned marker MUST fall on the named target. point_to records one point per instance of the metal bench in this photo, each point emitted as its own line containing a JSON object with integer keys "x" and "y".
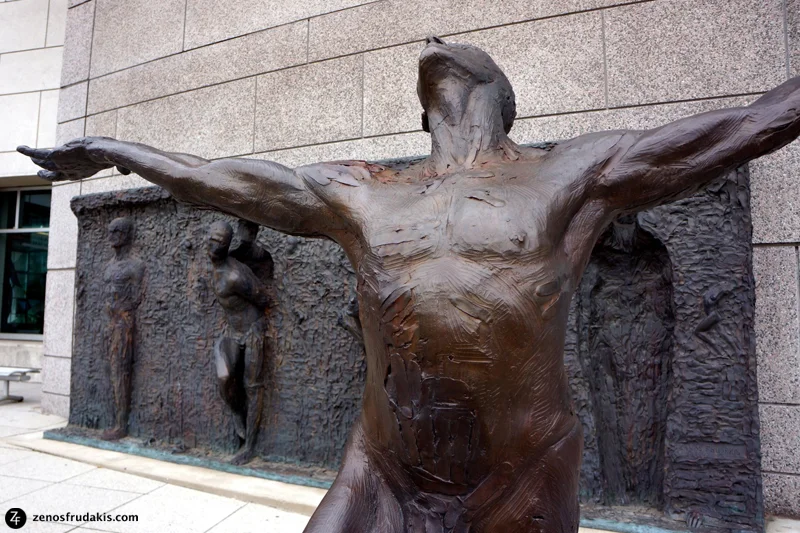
{"x": 9, "y": 374}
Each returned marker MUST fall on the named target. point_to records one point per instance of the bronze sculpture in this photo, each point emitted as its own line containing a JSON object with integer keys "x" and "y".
{"x": 239, "y": 354}
{"x": 466, "y": 263}
{"x": 124, "y": 285}
{"x": 249, "y": 253}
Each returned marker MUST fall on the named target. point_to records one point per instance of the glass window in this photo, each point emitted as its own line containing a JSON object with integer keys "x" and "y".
{"x": 24, "y": 223}
{"x": 34, "y": 209}
{"x": 24, "y": 275}
{"x": 8, "y": 210}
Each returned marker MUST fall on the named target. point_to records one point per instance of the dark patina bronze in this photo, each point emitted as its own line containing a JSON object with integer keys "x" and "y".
{"x": 466, "y": 263}
{"x": 123, "y": 278}
{"x": 239, "y": 353}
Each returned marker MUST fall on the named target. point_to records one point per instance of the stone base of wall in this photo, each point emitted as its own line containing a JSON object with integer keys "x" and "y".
{"x": 22, "y": 354}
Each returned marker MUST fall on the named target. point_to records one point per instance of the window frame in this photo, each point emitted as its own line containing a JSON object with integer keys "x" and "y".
{"x": 17, "y": 230}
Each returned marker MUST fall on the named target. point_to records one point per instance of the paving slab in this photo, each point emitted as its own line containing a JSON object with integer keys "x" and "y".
{"x": 60, "y": 499}
{"x": 12, "y": 487}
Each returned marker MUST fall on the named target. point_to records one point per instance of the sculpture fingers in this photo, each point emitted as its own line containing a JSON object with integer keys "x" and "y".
{"x": 51, "y": 175}
{"x": 38, "y": 153}
{"x": 45, "y": 164}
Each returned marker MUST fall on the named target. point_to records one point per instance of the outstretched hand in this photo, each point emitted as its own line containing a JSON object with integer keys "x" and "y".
{"x": 71, "y": 161}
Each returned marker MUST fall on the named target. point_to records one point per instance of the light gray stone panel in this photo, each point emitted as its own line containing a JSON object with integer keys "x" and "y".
{"x": 780, "y": 438}
{"x": 102, "y": 124}
{"x": 78, "y": 43}
{"x": 48, "y": 123}
{"x": 776, "y": 196}
{"x": 781, "y": 494}
{"x": 70, "y": 130}
{"x": 63, "y": 239}
{"x": 56, "y": 22}
{"x": 237, "y": 58}
{"x": 209, "y": 21}
{"x": 33, "y": 70}
{"x": 72, "y": 102}
{"x": 381, "y": 24}
{"x": 212, "y": 122}
{"x": 554, "y": 65}
{"x": 16, "y": 164}
{"x": 567, "y": 126}
{"x": 309, "y": 104}
{"x": 683, "y": 49}
{"x": 371, "y": 149}
{"x": 777, "y": 325}
{"x": 55, "y": 404}
{"x": 22, "y": 354}
{"x": 58, "y": 312}
{"x": 19, "y": 114}
{"x": 391, "y": 103}
{"x": 56, "y": 374}
{"x": 793, "y": 36}
{"x": 129, "y": 32}
{"x": 24, "y": 25}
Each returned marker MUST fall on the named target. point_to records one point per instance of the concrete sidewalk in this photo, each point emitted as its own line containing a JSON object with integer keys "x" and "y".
{"x": 40, "y": 483}
{"x": 46, "y": 477}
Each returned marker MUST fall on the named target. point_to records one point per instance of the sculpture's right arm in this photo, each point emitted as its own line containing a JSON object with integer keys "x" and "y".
{"x": 267, "y": 193}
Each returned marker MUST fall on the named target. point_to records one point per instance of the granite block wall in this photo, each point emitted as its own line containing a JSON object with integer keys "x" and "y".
{"x": 298, "y": 82}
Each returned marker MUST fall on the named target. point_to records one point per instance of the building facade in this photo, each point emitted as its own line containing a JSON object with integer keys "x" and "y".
{"x": 31, "y": 46}
{"x": 299, "y": 82}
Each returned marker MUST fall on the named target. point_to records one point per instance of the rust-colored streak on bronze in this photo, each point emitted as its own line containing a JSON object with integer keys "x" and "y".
{"x": 466, "y": 264}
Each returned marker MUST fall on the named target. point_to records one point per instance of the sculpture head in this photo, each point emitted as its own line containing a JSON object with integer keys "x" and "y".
{"x": 247, "y": 231}
{"x": 450, "y": 74}
{"x": 120, "y": 232}
{"x": 219, "y": 239}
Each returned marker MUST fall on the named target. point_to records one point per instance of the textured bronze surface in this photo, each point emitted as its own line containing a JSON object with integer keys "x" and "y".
{"x": 123, "y": 279}
{"x": 466, "y": 264}
{"x": 239, "y": 353}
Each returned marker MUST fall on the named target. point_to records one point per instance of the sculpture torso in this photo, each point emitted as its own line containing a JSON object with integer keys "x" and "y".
{"x": 231, "y": 282}
{"x": 464, "y": 282}
{"x": 123, "y": 282}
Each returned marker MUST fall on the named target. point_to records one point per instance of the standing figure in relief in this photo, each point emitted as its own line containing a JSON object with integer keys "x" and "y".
{"x": 240, "y": 352}
{"x": 123, "y": 278}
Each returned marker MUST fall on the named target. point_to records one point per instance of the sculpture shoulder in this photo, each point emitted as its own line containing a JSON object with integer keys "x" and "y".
{"x": 596, "y": 146}
{"x": 581, "y": 159}
{"x": 339, "y": 173}
{"x": 342, "y": 185}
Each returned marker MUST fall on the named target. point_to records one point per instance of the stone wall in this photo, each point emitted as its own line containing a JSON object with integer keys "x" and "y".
{"x": 31, "y": 43}
{"x": 298, "y": 82}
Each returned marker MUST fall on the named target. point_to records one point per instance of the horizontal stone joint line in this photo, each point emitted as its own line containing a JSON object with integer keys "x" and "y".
{"x": 404, "y": 43}
{"x": 792, "y": 474}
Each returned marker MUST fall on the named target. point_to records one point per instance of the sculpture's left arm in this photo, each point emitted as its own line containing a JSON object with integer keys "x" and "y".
{"x": 647, "y": 168}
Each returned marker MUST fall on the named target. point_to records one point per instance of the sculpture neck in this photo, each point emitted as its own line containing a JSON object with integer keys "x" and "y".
{"x": 218, "y": 261}
{"x": 122, "y": 252}
{"x": 462, "y": 138}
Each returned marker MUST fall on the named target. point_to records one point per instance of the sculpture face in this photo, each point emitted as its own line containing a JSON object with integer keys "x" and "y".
{"x": 219, "y": 240}
{"x": 120, "y": 232}
{"x": 449, "y": 73}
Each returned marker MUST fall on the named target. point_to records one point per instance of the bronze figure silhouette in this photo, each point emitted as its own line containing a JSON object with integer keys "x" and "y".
{"x": 466, "y": 264}
{"x": 250, "y": 253}
{"x": 124, "y": 285}
{"x": 239, "y": 354}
